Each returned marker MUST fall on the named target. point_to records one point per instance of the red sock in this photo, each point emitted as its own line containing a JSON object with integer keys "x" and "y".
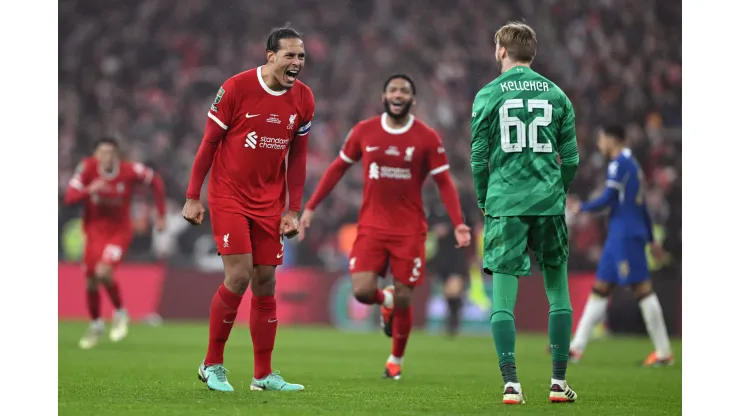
{"x": 263, "y": 327}
{"x": 401, "y": 330}
{"x": 379, "y": 297}
{"x": 114, "y": 294}
{"x": 224, "y": 306}
{"x": 93, "y": 303}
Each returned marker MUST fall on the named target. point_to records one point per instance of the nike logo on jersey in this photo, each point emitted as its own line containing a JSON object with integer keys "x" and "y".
{"x": 252, "y": 115}
{"x": 371, "y": 149}
{"x": 228, "y": 322}
{"x": 272, "y": 320}
{"x": 279, "y": 255}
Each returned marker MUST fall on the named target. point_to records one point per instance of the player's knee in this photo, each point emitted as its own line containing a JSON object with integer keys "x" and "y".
{"x": 104, "y": 272}
{"x": 237, "y": 279}
{"x": 402, "y": 296}
{"x": 602, "y": 289}
{"x": 502, "y": 314}
{"x": 91, "y": 282}
{"x": 454, "y": 286}
{"x": 263, "y": 281}
{"x": 364, "y": 286}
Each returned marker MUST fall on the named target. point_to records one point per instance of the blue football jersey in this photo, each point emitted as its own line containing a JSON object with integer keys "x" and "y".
{"x": 628, "y": 216}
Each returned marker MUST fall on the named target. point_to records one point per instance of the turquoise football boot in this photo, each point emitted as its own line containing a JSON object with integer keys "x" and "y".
{"x": 274, "y": 382}
{"x": 215, "y": 377}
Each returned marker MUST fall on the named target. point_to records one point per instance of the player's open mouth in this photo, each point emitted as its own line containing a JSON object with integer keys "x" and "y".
{"x": 396, "y": 106}
{"x": 291, "y": 75}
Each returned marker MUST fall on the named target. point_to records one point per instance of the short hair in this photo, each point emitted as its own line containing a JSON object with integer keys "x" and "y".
{"x": 614, "y": 130}
{"x": 520, "y": 41}
{"x": 107, "y": 140}
{"x": 401, "y": 76}
{"x": 273, "y": 41}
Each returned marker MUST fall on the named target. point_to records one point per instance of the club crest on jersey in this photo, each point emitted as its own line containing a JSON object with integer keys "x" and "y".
{"x": 409, "y": 154}
{"x": 291, "y": 121}
{"x": 226, "y": 240}
{"x": 392, "y": 151}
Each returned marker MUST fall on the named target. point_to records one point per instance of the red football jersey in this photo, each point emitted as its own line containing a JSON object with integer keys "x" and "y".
{"x": 248, "y": 171}
{"x": 396, "y": 163}
{"x": 109, "y": 210}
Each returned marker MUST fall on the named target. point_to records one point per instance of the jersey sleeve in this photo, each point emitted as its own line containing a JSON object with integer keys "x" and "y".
{"x": 223, "y": 107}
{"x": 567, "y": 144}
{"x": 436, "y": 157}
{"x": 615, "y": 173}
{"x": 480, "y": 148}
{"x": 81, "y": 177}
{"x": 307, "y": 116}
{"x": 352, "y": 148}
{"x": 142, "y": 173}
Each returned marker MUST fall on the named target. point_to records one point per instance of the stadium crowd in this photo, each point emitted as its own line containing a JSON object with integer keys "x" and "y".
{"x": 146, "y": 71}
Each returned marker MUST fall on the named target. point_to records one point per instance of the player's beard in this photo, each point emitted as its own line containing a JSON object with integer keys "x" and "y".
{"x": 402, "y": 114}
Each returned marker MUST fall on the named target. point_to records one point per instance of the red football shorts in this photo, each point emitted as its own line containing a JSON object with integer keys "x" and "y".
{"x": 238, "y": 233}
{"x": 105, "y": 248}
{"x": 406, "y": 255}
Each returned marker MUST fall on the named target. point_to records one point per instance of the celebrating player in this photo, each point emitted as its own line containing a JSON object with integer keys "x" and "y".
{"x": 258, "y": 117}
{"x": 105, "y": 183}
{"x": 521, "y": 123}
{"x": 623, "y": 261}
{"x": 398, "y": 152}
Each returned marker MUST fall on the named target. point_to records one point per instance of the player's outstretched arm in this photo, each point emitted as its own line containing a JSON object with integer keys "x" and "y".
{"x": 79, "y": 187}
{"x": 451, "y": 200}
{"x": 648, "y": 223}
{"x": 568, "y": 148}
{"x": 328, "y": 181}
{"x": 204, "y": 158}
{"x": 480, "y": 125}
{"x": 157, "y": 187}
{"x": 606, "y": 198}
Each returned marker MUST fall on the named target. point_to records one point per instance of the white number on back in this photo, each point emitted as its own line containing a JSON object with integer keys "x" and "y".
{"x": 507, "y": 122}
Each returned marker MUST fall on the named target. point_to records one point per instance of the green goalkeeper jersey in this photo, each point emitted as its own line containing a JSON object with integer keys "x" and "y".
{"x": 521, "y": 123}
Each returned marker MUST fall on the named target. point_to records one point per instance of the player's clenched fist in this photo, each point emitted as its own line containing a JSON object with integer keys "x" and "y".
{"x": 462, "y": 235}
{"x": 193, "y": 211}
{"x": 289, "y": 224}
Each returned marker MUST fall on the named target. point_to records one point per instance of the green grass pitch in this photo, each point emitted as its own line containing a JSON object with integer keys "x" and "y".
{"x": 153, "y": 372}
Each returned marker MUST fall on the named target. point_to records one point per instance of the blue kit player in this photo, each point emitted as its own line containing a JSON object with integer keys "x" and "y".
{"x": 623, "y": 261}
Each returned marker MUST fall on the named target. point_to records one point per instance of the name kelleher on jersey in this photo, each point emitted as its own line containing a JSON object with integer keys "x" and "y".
{"x": 525, "y": 86}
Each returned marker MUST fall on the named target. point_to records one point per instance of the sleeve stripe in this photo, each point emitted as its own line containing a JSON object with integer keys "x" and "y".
{"x": 345, "y": 157}
{"x": 439, "y": 169}
{"x": 302, "y": 133}
{"x": 614, "y": 184}
{"x": 76, "y": 184}
{"x": 219, "y": 122}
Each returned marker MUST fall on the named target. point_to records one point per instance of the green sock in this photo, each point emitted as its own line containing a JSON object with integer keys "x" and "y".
{"x": 505, "y": 288}
{"x": 560, "y": 322}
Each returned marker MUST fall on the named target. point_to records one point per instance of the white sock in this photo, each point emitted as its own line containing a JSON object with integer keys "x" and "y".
{"x": 652, "y": 313}
{"x": 593, "y": 314}
{"x": 388, "y": 302}
{"x": 560, "y": 383}
{"x": 98, "y": 323}
{"x": 395, "y": 360}
{"x": 517, "y": 386}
